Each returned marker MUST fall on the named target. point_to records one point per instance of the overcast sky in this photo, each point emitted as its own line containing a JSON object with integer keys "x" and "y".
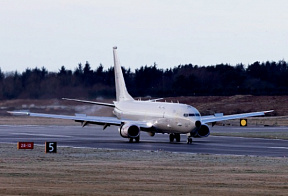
{"x": 53, "y": 33}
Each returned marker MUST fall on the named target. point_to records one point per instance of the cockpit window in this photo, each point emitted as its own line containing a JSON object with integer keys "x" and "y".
{"x": 186, "y": 115}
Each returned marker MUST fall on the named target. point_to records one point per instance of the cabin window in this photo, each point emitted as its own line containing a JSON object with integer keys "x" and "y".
{"x": 191, "y": 114}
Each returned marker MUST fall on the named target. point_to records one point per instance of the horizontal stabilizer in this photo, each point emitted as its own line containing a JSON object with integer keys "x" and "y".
{"x": 154, "y": 100}
{"x": 91, "y": 102}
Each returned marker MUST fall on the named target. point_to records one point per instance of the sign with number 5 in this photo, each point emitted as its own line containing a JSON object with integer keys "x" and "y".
{"x": 50, "y": 147}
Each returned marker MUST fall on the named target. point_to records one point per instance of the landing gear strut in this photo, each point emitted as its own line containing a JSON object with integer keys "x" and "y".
{"x": 189, "y": 140}
{"x": 173, "y": 136}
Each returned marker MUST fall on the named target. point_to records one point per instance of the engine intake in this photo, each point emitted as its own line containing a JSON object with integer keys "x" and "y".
{"x": 129, "y": 131}
{"x": 203, "y": 131}
{"x": 197, "y": 124}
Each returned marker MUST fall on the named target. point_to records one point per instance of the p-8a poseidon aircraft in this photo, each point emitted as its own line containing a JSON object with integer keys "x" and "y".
{"x": 134, "y": 116}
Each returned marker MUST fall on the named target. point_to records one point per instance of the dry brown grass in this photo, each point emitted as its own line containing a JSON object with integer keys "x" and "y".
{"x": 115, "y": 172}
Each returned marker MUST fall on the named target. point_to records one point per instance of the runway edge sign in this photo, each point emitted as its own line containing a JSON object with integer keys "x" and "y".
{"x": 25, "y": 145}
{"x": 50, "y": 147}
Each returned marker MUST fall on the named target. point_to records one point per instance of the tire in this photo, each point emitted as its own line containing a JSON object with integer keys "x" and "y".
{"x": 171, "y": 137}
{"x": 189, "y": 140}
{"x": 178, "y": 138}
{"x": 137, "y": 139}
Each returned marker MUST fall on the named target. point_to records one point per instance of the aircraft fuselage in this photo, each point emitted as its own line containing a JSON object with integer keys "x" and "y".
{"x": 165, "y": 117}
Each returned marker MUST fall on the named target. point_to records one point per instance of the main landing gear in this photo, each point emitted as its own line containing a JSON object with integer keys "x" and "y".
{"x": 173, "y": 136}
{"x": 137, "y": 139}
{"x": 176, "y": 136}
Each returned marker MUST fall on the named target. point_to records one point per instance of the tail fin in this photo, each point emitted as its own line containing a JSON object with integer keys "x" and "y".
{"x": 121, "y": 91}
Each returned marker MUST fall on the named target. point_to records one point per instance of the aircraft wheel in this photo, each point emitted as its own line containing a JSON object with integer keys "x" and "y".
{"x": 189, "y": 140}
{"x": 137, "y": 139}
{"x": 171, "y": 137}
{"x": 130, "y": 140}
{"x": 177, "y": 136}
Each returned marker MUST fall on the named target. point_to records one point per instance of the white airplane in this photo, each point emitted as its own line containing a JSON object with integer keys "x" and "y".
{"x": 134, "y": 116}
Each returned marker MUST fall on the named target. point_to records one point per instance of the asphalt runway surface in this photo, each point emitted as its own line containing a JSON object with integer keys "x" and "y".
{"x": 95, "y": 137}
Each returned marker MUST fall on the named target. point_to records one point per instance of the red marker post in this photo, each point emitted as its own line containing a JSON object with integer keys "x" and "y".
{"x": 25, "y": 145}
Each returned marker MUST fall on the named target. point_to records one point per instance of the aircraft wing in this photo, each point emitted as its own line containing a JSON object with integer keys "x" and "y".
{"x": 99, "y": 120}
{"x": 211, "y": 119}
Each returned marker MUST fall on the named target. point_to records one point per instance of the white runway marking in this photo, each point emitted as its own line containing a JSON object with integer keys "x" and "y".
{"x": 279, "y": 147}
{"x": 43, "y": 135}
{"x": 260, "y": 128}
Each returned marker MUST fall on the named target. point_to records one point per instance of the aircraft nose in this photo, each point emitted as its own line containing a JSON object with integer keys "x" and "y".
{"x": 198, "y": 124}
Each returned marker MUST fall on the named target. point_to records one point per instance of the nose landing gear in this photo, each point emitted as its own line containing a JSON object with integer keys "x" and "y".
{"x": 189, "y": 140}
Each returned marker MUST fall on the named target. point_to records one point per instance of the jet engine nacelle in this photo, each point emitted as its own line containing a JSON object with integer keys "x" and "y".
{"x": 203, "y": 131}
{"x": 129, "y": 131}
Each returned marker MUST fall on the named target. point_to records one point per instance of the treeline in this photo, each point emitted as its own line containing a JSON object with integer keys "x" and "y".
{"x": 267, "y": 78}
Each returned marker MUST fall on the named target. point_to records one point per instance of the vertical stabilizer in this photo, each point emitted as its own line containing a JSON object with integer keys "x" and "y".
{"x": 121, "y": 91}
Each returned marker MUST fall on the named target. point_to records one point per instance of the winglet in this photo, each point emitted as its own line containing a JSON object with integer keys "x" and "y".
{"x": 268, "y": 111}
{"x": 121, "y": 91}
{"x": 19, "y": 113}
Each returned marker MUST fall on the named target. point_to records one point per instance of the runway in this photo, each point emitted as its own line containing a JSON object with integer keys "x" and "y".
{"x": 95, "y": 137}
